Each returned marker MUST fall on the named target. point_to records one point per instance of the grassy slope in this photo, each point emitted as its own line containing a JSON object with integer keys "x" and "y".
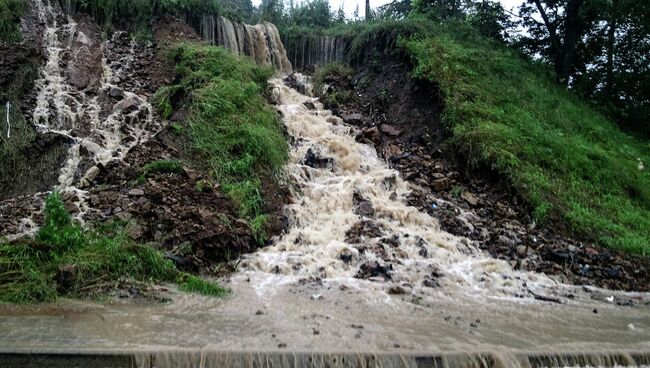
{"x": 231, "y": 128}
{"x": 558, "y": 152}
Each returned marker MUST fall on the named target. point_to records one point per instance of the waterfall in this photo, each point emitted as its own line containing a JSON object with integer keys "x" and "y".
{"x": 102, "y": 128}
{"x": 261, "y": 42}
{"x": 8, "y": 108}
{"x": 310, "y": 51}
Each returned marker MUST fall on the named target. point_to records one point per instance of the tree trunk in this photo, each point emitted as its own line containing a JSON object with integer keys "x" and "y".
{"x": 611, "y": 44}
{"x": 571, "y": 33}
{"x": 564, "y": 51}
{"x": 368, "y": 12}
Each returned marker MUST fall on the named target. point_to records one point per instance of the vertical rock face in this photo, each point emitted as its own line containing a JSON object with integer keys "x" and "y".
{"x": 261, "y": 42}
{"x": 314, "y": 51}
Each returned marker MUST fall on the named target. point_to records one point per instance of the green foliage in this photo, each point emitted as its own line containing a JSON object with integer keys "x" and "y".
{"x": 563, "y": 157}
{"x": 338, "y": 98}
{"x": 10, "y": 12}
{"x": 312, "y": 13}
{"x": 28, "y": 270}
{"x": 137, "y": 15}
{"x": 337, "y": 70}
{"x": 235, "y": 132}
{"x": 193, "y": 284}
{"x": 162, "y": 166}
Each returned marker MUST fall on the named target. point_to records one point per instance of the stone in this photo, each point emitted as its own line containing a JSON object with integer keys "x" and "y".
{"x": 136, "y": 192}
{"x": 354, "y": 118}
{"x": 470, "y": 198}
{"x": 522, "y": 251}
{"x": 366, "y": 209}
{"x": 116, "y": 93}
{"x": 124, "y": 216}
{"x": 396, "y": 290}
{"x": 441, "y": 184}
{"x": 390, "y": 130}
{"x": 313, "y": 159}
{"x": 90, "y": 176}
{"x": 371, "y": 134}
{"x": 310, "y": 105}
{"x": 128, "y": 105}
{"x": 66, "y": 277}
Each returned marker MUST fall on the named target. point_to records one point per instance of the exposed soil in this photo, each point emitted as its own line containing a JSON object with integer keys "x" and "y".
{"x": 185, "y": 214}
{"x": 401, "y": 117}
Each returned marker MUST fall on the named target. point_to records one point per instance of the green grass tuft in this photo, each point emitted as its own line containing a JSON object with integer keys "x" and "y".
{"x": 29, "y": 269}
{"x": 194, "y": 284}
{"x": 162, "y": 166}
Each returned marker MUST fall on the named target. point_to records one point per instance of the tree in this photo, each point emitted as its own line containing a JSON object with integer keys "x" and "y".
{"x": 397, "y": 9}
{"x": 340, "y": 15}
{"x": 272, "y": 11}
{"x": 314, "y": 13}
{"x": 355, "y": 15}
{"x": 557, "y": 37}
{"x": 440, "y": 9}
{"x": 490, "y": 19}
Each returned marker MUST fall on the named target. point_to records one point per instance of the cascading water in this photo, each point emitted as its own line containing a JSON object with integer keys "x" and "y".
{"x": 323, "y": 295}
{"x": 353, "y": 188}
{"x": 261, "y": 42}
{"x": 309, "y": 51}
{"x": 357, "y": 272}
{"x": 102, "y": 129}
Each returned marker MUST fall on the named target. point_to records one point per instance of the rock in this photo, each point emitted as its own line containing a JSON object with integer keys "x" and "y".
{"x": 136, "y": 192}
{"x": 310, "y": 105}
{"x": 124, "y": 216}
{"x": 470, "y": 198}
{"x": 439, "y": 185}
{"x": 90, "y": 176}
{"x": 522, "y": 251}
{"x": 346, "y": 256}
{"x": 506, "y": 241}
{"x": 353, "y": 119}
{"x": 366, "y": 209}
{"x": 116, "y": 93}
{"x": 313, "y": 159}
{"x": 66, "y": 277}
{"x": 396, "y": 290}
{"x": 390, "y": 130}
{"x": 374, "y": 269}
{"x": 128, "y": 105}
{"x": 370, "y": 134}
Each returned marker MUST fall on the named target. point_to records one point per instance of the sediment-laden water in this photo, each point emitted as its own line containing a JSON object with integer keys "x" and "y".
{"x": 380, "y": 297}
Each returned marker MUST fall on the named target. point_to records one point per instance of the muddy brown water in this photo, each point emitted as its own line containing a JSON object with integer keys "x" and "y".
{"x": 405, "y": 294}
{"x": 301, "y": 302}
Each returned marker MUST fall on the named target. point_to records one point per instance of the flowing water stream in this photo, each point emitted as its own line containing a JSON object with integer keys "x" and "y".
{"x": 433, "y": 299}
{"x": 358, "y": 279}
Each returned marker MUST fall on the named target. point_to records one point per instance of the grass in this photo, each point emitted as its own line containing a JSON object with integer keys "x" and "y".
{"x": 564, "y": 157}
{"x": 30, "y": 271}
{"x": 136, "y": 15}
{"x": 162, "y": 166}
{"x": 232, "y": 130}
{"x": 335, "y": 69}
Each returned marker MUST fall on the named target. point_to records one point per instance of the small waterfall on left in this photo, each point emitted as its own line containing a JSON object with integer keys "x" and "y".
{"x": 77, "y": 97}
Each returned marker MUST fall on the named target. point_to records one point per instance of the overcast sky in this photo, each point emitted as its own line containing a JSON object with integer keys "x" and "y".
{"x": 350, "y": 5}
